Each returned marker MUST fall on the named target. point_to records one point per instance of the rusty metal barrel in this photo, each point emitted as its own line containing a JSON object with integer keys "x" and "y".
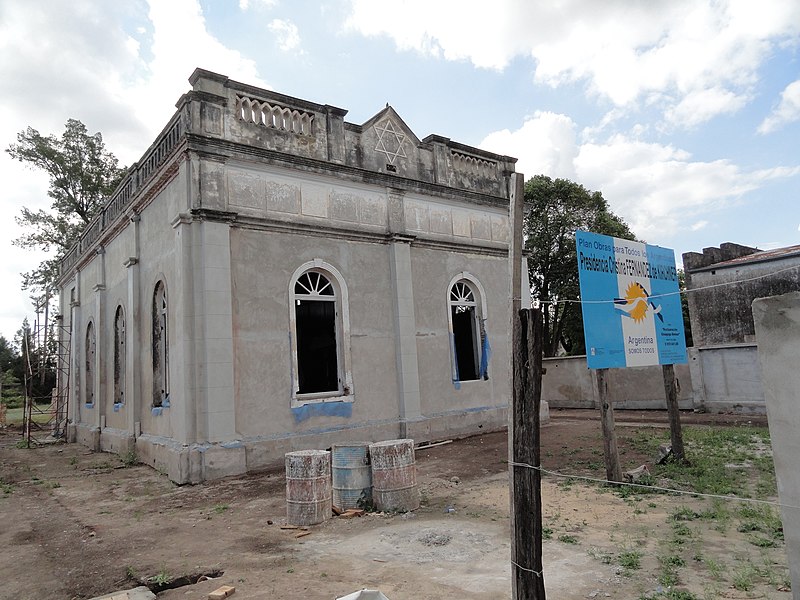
{"x": 394, "y": 475}
{"x": 308, "y": 487}
{"x": 352, "y": 475}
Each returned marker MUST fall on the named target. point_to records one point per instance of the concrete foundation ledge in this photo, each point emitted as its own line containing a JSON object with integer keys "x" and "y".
{"x": 737, "y": 408}
{"x": 458, "y": 424}
{"x": 265, "y": 453}
{"x": 118, "y": 441}
{"x": 167, "y": 456}
{"x": 87, "y": 435}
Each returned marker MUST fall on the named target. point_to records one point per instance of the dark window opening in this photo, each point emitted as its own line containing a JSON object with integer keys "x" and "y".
{"x": 160, "y": 346}
{"x": 119, "y": 356}
{"x": 317, "y": 360}
{"x": 90, "y": 363}
{"x": 465, "y": 342}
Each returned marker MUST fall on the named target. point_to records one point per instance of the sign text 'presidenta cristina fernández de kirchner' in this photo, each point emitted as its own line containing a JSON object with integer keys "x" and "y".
{"x": 631, "y": 306}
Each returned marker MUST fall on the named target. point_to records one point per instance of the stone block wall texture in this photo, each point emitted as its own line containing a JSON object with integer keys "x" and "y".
{"x": 777, "y": 323}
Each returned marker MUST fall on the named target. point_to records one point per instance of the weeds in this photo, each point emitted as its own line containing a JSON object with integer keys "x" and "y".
{"x": 220, "y": 508}
{"x": 630, "y": 560}
{"x": 567, "y": 539}
{"x": 129, "y": 459}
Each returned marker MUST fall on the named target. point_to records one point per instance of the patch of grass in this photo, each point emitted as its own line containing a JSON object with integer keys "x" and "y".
{"x": 73, "y": 460}
{"x": 567, "y": 538}
{"x": 721, "y": 460}
{"x": 668, "y": 576}
{"x": 162, "y": 577}
{"x": 744, "y": 578}
{"x": 129, "y": 459}
{"x": 547, "y": 533}
{"x": 673, "y": 560}
{"x": 684, "y": 513}
{"x": 715, "y": 569}
{"x": 630, "y": 560}
{"x": 6, "y": 488}
{"x": 220, "y": 508}
{"x": 763, "y": 524}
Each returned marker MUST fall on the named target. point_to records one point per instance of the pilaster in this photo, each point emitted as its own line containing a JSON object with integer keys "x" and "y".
{"x": 405, "y": 324}
{"x": 213, "y": 331}
{"x": 133, "y": 328}
{"x": 101, "y": 332}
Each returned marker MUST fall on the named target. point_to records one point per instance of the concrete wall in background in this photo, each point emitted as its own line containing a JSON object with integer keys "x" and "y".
{"x": 717, "y": 379}
{"x": 568, "y": 383}
{"x": 777, "y": 324}
{"x": 727, "y": 379}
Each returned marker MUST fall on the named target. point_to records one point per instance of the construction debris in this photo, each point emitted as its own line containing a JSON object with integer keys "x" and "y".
{"x": 664, "y": 452}
{"x": 221, "y": 592}
{"x": 364, "y": 595}
{"x": 634, "y": 475}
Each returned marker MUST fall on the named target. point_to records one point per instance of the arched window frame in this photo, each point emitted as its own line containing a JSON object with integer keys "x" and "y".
{"x": 345, "y": 392}
{"x": 160, "y": 344}
{"x": 120, "y": 356}
{"x": 481, "y": 315}
{"x": 90, "y": 363}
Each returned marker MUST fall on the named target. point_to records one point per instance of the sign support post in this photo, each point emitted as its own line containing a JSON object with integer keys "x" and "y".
{"x": 671, "y": 388}
{"x": 610, "y": 451}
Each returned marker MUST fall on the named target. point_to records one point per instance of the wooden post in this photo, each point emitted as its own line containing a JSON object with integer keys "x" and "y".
{"x": 526, "y": 502}
{"x": 610, "y": 452}
{"x": 671, "y": 388}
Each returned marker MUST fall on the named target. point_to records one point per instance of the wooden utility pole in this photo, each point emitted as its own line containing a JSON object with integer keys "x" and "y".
{"x": 527, "y": 582}
{"x": 610, "y": 452}
{"x": 526, "y": 502}
{"x": 671, "y": 388}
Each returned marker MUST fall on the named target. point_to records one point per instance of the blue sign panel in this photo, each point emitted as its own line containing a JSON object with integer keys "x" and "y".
{"x": 631, "y": 306}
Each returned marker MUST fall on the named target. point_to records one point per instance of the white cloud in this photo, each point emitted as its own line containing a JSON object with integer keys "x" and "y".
{"x": 85, "y": 65}
{"x": 787, "y": 111}
{"x": 288, "y": 36}
{"x": 685, "y": 54}
{"x": 658, "y": 189}
{"x": 245, "y": 4}
{"x": 544, "y": 144}
{"x": 702, "y": 105}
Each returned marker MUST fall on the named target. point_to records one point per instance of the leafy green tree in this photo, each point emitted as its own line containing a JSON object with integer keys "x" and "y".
{"x": 555, "y": 209}
{"x": 10, "y": 369}
{"x": 82, "y": 175}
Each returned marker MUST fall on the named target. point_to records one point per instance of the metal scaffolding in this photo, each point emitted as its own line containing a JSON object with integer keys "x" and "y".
{"x": 46, "y": 355}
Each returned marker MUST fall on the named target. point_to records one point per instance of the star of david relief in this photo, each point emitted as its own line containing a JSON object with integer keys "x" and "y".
{"x": 390, "y": 140}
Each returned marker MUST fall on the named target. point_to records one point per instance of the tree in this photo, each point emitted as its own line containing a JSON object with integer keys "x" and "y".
{"x": 555, "y": 209}
{"x": 82, "y": 175}
{"x": 10, "y": 370}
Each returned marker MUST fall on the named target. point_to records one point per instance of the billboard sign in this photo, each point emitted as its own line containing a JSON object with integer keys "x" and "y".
{"x": 631, "y": 305}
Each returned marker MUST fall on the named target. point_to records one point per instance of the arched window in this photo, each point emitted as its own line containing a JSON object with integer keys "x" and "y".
{"x": 90, "y": 356}
{"x": 119, "y": 356}
{"x": 160, "y": 346}
{"x": 320, "y": 334}
{"x": 468, "y": 341}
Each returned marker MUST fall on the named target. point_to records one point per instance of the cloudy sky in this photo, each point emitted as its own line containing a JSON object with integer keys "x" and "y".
{"x": 685, "y": 114}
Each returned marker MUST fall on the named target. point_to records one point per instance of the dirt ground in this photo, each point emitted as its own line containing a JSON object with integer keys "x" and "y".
{"x": 77, "y": 524}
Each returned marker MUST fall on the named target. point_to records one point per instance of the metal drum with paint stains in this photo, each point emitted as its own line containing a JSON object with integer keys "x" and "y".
{"x": 308, "y": 487}
{"x": 352, "y": 475}
{"x": 394, "y": 475}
